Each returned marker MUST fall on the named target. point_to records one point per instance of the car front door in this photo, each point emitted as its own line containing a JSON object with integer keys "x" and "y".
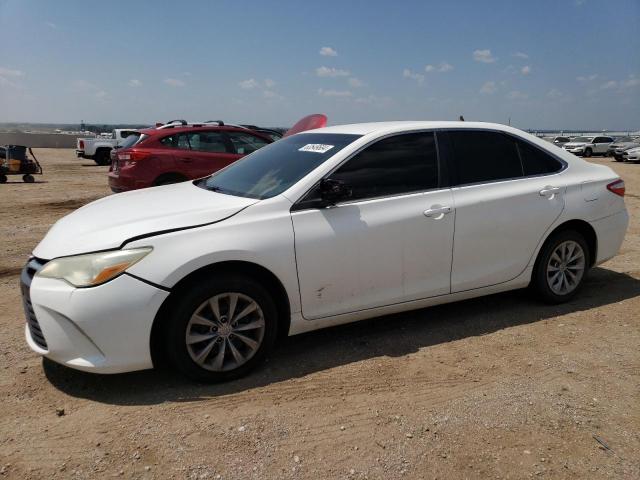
{"x": 601, "y": 144}
{"x": 506, "y": 198}
{"x": 389, "y": 242}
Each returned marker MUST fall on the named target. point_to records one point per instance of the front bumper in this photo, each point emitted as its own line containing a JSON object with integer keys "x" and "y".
{"x": 103, "y": 329}
{"x": 575, "y": 150}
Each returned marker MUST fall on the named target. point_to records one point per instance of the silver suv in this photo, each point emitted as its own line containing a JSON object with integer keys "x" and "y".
{"x": 588, "y": 146}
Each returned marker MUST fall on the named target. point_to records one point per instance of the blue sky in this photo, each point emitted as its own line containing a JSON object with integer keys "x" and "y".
{"x": 545, "y": 64}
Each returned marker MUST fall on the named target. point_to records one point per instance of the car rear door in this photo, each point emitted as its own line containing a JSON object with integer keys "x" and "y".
{"x": 210, "y": 151}
{"x": 506, "y": 197}
{"x": 244, "y": 143}
{"x": 391, "y": 242}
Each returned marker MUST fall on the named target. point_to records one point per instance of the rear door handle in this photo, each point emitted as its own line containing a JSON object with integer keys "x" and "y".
{"x": 549, "y": 191}
{"x": 437, "y": 211}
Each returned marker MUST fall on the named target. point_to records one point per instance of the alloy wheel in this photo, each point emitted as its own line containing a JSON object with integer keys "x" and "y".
{"x": 566, "y": 267}
{"x": 225, "y": 332}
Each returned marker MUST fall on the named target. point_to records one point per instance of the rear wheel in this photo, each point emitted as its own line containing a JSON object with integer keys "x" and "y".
{"x": 561, "y": 267}
{"x": 102, "y": 156}
{"x": 588, "y": 152}
{"x": 28, "y": 178}
{"x": 3, "y": 178}
{"x": 221, "y": 329}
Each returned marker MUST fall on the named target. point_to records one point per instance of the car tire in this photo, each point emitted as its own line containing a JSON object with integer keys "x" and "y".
{"x": 102, "y": 157}
{"x": 556, "y": 262}
{"x": 28, "y": 178}
{"x": 587, "y": 152}
{"x": 3, "y": 178}
{"x": 207, "y": 348}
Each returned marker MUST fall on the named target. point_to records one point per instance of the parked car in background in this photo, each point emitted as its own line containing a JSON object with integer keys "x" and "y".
{"x": 318, "y": 229}
{"x": 559, "y": 141}
{"x": 588, "y": 146}
{"x": 99, "y": 148}
{"x": 179, "y": 151}
{"x": 631, "y": 155}
{"x": 274, "y": 134}
{"x": 620, "y": 145}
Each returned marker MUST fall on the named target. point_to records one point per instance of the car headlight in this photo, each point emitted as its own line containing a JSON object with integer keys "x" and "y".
{"x": 94, "y": 268}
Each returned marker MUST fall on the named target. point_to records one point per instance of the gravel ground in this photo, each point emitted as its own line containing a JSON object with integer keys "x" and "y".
{"x": 500, "y": 387}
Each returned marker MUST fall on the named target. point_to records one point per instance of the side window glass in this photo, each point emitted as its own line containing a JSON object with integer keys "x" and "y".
{"x": 482, "y": 156}
{"x": 393, "y": 166}
{"x": 211, "y": 142}
{"x": 176, "y": 141}
{"x": 245, "y": 143}
{"x": 535, "y": 161}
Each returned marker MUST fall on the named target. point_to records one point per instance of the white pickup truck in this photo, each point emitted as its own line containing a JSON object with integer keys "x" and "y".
{"x": 99, "y": 149}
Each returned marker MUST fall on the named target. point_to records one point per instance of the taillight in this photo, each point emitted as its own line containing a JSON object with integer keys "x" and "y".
{"x": 617, "y": 187}
{"x": 130, "y": 157}
{"x": 81, "y": 144}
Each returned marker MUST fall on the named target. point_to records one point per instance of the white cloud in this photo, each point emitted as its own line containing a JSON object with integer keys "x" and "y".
{"x": 520, "y": 55}
{"x": 355, "y": 82}
{"x": 331, "y": 72}
{"x": 249, "y": 84}
{"x": 632, "y": 81}
{"x": 84, "y": 85}
{"x": 9, "y": 72}
{"x": 328, "y": 52}
{"x": 517, "y": 95}
{"x": 174, "y": 82}
{"x": 526, "y": 70}
{"x": 51, "y": 25}
{"x": 483, "y": 56}
{"x": 272, "y": 95}
{"x": 579, "y": 3}
{"x": 609, "y": 85}
{"x": 589, "y": 78}
{"x": 418, "y": 77}
{"x": 554, "y": 94}
{"x": 488, "y": 88}
{"x": 374, "y": 100}
{"x": 441, "y": 68}
{"x": 334, "y": 93}
{"x": 134, "y": 82}
{"x": 269, "y": 83}
{"x": 100, "y": 94}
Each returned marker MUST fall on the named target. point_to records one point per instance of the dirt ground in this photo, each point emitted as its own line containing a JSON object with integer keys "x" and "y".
{"x": 497, "y": 387}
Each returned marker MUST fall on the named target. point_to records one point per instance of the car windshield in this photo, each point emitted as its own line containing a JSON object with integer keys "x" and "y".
{"x": 582, "y": 139}
{"x": 272, "y": 169}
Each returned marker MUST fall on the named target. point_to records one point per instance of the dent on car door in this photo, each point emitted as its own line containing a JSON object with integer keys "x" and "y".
{"x": 506, "y": 199}
{"x": 389, "y": 243}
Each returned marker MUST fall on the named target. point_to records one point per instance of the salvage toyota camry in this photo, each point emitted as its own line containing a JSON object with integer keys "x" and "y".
{"x": 318, "y": 229}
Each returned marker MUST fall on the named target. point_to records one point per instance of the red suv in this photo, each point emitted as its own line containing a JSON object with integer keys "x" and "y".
{"x": 177, "y": 151}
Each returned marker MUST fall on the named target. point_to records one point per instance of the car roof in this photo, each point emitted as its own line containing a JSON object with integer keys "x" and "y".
{"x": 399, "y": 126}
{"x": 192, "y": 128}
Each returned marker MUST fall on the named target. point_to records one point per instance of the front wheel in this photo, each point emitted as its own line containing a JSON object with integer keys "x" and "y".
{"x": 220, "y": 329}
{"x": 3, "y": 178}
{"x": 28, "y": 178}
{"x": 588, "y": 152}
{"x": 561, "y": 267}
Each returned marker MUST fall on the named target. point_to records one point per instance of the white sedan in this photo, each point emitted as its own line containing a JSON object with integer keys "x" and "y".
{"x": 318, "y": 229}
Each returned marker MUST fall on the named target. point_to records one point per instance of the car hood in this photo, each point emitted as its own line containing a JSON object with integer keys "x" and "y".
{"x": 624, "y": 145}
{"x": 633, "y": 150}
{"x": 575, "y": 144}
{"x": 111, "y": 221}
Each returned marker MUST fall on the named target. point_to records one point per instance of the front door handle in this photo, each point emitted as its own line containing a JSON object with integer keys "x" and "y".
{"x": 549, "y": 191}
{"x": 437, "y": 211}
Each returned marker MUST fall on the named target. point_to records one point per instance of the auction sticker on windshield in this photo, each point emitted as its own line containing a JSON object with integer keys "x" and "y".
{"x": 316, "y": 148}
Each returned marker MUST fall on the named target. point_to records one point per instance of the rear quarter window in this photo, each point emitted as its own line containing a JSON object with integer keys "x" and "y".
{"x": 536, "y": 161}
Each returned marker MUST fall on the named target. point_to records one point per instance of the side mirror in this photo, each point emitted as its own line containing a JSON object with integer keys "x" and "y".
{"x": 332, "y": 190}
